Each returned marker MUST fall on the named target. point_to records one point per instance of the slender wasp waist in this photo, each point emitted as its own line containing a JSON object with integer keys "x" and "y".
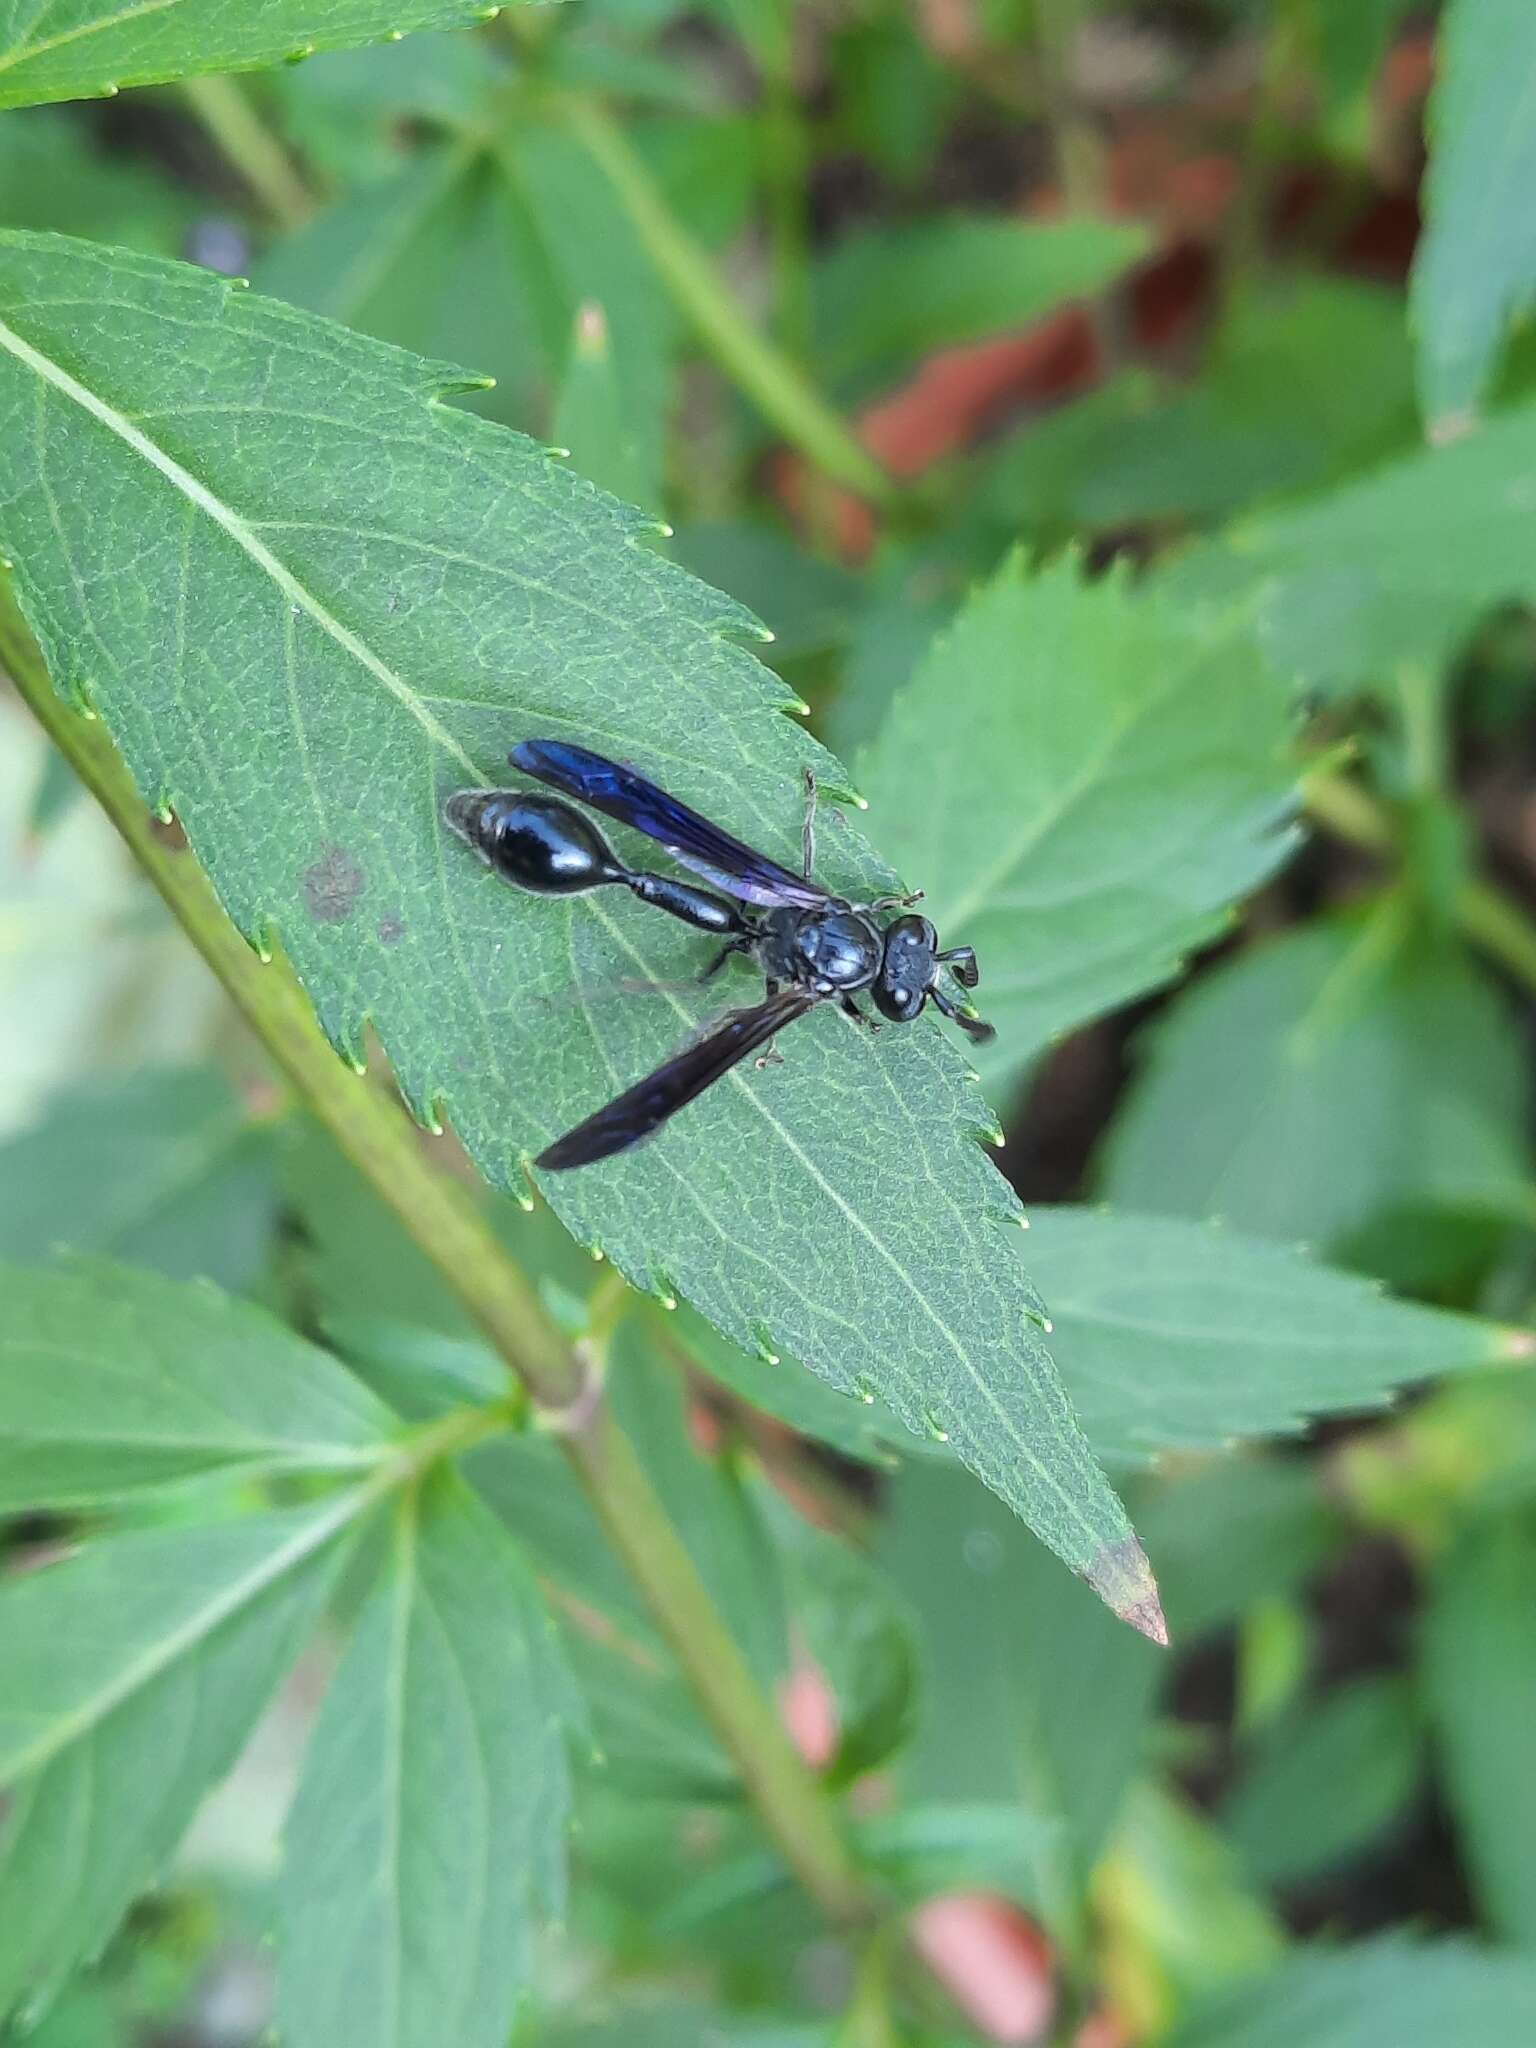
{"x": 811, "y": 946}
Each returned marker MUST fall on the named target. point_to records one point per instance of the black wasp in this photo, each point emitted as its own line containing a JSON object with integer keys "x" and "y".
{"x": 811, "y": 946}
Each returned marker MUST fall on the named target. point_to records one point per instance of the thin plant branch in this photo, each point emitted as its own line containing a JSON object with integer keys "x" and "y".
{"x": 249, "y": 147}
{"x": 446, "y": 1223}
{"x": 759, "y": 368}
{"x": 1485, "y": 914}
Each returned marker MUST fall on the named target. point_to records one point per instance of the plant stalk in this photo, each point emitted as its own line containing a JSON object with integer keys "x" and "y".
{"x": 444, "y": 1220}
{"x": 779, "y": 390}
{"x": 1421, "y": 700}
{"x": 243, "y": 139}
{"x": 1484, "y": 913}
{"x": 1077, "y": 149}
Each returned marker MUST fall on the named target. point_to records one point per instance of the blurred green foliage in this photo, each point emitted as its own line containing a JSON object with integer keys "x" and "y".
{"x": 1188, "y": 665}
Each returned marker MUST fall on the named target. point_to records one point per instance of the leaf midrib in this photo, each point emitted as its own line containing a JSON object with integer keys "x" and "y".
{"x": 241, "y": 531}
{"x": 159, "y": 1656}
{"x": 24, "y": 51}
{"x": 1038, "y": 828}
{"x": 1008, "y": 1427}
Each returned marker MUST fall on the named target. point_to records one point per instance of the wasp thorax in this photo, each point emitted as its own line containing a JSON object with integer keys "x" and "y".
{"x": 837, "y": 949}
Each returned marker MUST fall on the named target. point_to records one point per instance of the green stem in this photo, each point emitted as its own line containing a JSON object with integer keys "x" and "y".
{"x": 446, "y": 1223}
{"x": 1078, "y": 151}
{"x": 868, "y": 2020}
{"x": 1421, "y": 699}
{"x": 779, "y": 390}
{"x": 1243, "y": 241}
{"x": 245, "y": 142}
{"x": 1505, "y": 932}
{"x": 1484, "y": 913}
{"x": 787, "y": 164}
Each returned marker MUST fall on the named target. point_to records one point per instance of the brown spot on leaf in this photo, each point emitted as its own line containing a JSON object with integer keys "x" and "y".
{"x": 1122, "y": 1578}
{"x": 391, "y": 929}
{"x": 169, "y": 833}
{"x": 333, "y": 885}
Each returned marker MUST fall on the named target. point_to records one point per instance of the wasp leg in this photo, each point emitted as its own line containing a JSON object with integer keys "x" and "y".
{"x": 808, "y": 829}
{"x": 740, "y": 944}
{"x": 770, "y": 1056}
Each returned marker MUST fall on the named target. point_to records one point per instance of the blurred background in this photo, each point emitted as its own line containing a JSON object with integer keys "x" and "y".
{"x": 1123, "y": 279}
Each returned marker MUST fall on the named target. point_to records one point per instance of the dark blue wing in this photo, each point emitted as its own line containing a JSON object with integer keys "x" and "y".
{"x": 628, "y": 796}
{"x": 635, "y": 1115}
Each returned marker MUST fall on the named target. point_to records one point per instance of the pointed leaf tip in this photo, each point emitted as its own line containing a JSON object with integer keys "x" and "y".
{"x": 1122, "y": 1578}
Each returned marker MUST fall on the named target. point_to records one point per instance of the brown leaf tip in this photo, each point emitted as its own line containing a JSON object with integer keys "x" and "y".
{"x": 1122, "y": 1578}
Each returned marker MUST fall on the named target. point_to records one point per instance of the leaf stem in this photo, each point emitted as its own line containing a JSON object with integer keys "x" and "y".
{"x": 786, "y": 153}
{"x": 868, "y": 2020}
{"x": 1421, "y": 700}
{"x": 1485, "y": 914}
{"x": 444, "y": 1220}
{"x": 244, "y": 140}
{"x": 1077, "y": 149}
{"x": 1243, "y": 235}
{"x": 780, "y": 391}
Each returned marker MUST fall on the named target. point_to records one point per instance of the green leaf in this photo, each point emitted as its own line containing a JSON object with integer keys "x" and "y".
{"x": 1301, "y": 386}
{"x": 893, "y": 98}
{"x": 374, "y": 595}
{"x": 351, "y": 112}
{"x": 430, "y": 257}
{"x": 85, "y": 2016}
{"x": 864, "y": 1430}
{"x": 1470, "y": 1446}
{"x": 707, "y": 1498}
{"x": 486, "y": 254}
{"x": 1396, "y": 568}
{"x": 861, "y": 1639}
{"x": 806, "y": 602}
{"x": 83, "y": 49}
{"x": 1186, "y": 1916}
{"x": 134, "y": 1673}
{"x": 1171, "y": 1334}
{"x": 52, "y": 176}
{"x": 1349, "y": 44}
{"x": 360, "y": 1275}
{"x": 114, "y": 1381}
{"x": 649, "y": 1732}
{"x": 1233, "y": 1532}
{"x": 1480, "y": 1680}
{"x": 651, "y": 1739}
{"x": 904, "y": 607}
{"x": 1475, "y": 269}
{"x": 387, "y": 1310}
{"x": 159, "y": 1168}
{"x": 716, "y": 1514}
{"x": 924, "y": 1851}
{"x": 1054, "y": 1702}
{"x": 54, "y": 795}
{"x": 1352, "y": 1071}
{"x": 591, "y": 419}
{"x": 884, "y": 295}
{"x": 1083, "y": 780}
{"x": 668, "y": 2024}
{"x": 1328, "y": 1782}
{"x": 1415, "y": 1996}
{"x": 430, "y": 1820}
